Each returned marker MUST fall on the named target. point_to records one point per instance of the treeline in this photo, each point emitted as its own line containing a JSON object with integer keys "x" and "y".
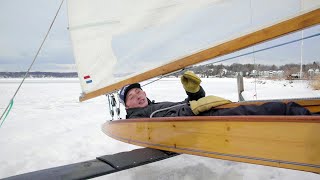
{"x": 208, "y": 70}
{"x": 214, "y": 70}
{"x": 39, "y": 74}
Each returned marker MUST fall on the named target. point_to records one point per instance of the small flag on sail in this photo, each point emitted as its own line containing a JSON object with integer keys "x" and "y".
{"x": 88, "y": 79}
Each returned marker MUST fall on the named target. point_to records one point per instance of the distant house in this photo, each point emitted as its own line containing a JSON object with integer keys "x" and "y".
{"x": 279, "y": 73}
{"x": 311, "y": 72}
{"x": 222, "y": 72}
{"x": 294, "y": 76}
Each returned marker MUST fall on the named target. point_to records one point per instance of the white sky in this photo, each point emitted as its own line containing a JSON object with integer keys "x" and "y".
{"x": 24, "y": 24}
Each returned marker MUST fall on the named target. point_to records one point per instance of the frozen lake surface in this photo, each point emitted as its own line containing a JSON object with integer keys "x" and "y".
{"x": 48, "y": 127}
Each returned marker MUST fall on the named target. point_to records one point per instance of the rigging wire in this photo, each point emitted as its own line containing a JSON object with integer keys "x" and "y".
{"x": 244, "y": 54}
{"x": 253, "y": 55}
{"x": 301, "y": 45}
{"x": 162, "y": 76}
{"x": 301, "y": 55}
{"x": 7, "y": 110}
{"x": 271, "y": 47}
{"x": 241, "y": 55}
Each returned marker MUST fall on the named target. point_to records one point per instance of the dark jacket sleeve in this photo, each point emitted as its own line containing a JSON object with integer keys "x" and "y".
{"x": 195, "y": 96}
{"x": 270, "y": 108}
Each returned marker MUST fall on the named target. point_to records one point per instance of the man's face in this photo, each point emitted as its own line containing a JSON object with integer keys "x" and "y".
{"x": 136, "y": 98}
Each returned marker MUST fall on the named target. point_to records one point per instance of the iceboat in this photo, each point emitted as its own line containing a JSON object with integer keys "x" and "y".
{"x": 116, "y": 43}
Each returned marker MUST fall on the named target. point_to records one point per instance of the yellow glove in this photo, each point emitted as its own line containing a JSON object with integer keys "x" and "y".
{"x": 207, "y": 103}
{"x": 190, "y": 82}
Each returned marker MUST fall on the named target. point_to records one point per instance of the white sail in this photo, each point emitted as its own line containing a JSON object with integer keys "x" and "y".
{"x": 117, "y": 39}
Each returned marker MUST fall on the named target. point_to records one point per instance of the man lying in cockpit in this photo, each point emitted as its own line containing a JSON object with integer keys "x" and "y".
{"x": 139, "y": 106}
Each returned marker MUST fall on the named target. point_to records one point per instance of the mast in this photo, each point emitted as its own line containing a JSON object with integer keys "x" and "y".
{"x": 301, "y": 55}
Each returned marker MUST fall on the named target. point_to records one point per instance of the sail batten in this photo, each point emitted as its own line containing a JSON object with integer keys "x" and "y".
{"x": 121, "y": 42}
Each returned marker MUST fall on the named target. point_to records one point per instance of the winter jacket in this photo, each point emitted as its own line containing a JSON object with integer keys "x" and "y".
{"x": 174, "y": 109}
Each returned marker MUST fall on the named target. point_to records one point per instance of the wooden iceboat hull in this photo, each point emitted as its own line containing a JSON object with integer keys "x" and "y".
{"x": 291, "y": 142}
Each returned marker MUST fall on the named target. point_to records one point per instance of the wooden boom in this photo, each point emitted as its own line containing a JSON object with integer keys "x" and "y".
{"x": 297, "y": 23}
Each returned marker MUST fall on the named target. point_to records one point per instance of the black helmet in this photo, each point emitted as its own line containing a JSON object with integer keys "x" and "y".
{"x": 124, "y": 91}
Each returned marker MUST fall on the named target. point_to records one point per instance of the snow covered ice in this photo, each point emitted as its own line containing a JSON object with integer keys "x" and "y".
{"x": 49, "y": 127}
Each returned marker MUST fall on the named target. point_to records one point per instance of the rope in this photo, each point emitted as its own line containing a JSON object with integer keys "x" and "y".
{"x": 34, "y": 59}
{"x": 7, "y": 112}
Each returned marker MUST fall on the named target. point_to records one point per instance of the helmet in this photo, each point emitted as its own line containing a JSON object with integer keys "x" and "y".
{"x": 124, "y": 91}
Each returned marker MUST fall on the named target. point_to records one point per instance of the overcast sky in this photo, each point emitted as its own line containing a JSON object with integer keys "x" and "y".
{"x": 23, "y": 25}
